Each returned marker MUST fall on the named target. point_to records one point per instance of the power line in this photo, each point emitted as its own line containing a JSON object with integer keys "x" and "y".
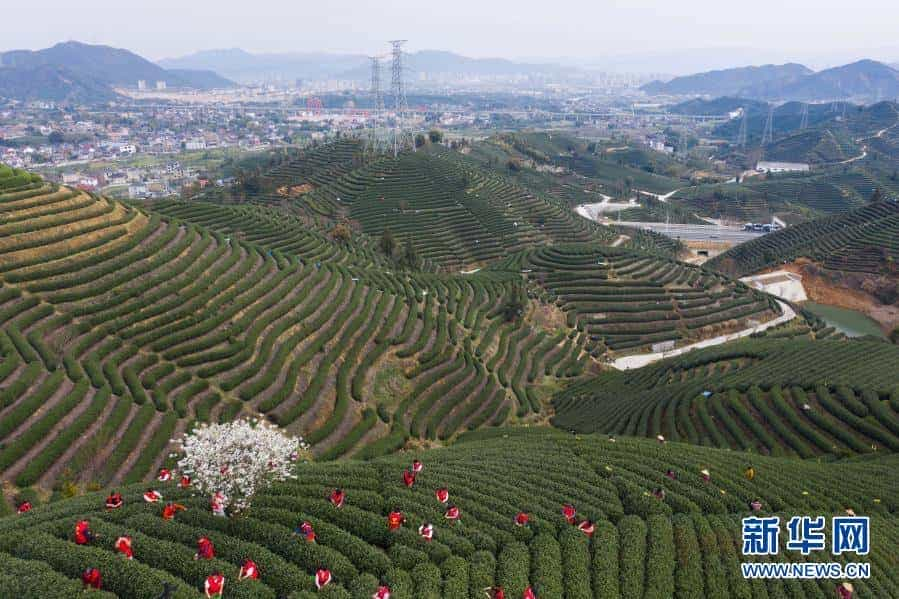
{"x": 803, "y": 124}
{"x": 741, "y": 136}
{"x": 768, "y": 135}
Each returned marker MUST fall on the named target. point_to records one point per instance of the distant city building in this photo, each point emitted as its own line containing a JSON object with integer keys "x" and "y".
{"x": 137, "y": 191}
{"x": 160, "y": 85}
{"x": 659, "y": 146}
{"x": 141, "y": 84}
{"x": 129, "y": 149}
{"x": 195, "y": 144}
{"x": 781, "y": 167}
{"x": 88, "y": 183}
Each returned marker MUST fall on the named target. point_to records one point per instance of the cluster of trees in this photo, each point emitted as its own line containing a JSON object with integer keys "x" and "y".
{"x": 407, "y": 257}
{"x": 434, "y": 136}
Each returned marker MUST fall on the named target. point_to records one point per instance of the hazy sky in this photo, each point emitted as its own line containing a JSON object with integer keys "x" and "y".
{"x": 793, "y": 29}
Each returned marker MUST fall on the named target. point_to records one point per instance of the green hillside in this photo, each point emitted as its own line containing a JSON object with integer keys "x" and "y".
{"x": 121, "y": 325}
{"x": 124, "y": 325}
{"x": 793, "y": 197}
{"x": 865, "y": 240}
{"x": 752, "y": 395}
{"x": 609, "y": 168}
{"x": 456, "y": 214}
{"x": 130, "y": 324}
{"x": 624, "y": 300}
{"x": 685, "y": 545}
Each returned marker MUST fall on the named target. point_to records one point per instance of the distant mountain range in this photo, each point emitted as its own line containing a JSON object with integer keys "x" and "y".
{"x": 245, "y": 67}
{"x": 73, "y": 71}
{"x": 717, "y": 106}
{"x": 865, "y": 80}
{"x": 728, "y": 82}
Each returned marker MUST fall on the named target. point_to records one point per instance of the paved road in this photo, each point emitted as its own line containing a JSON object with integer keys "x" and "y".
{"x": 662, "y": 197}
{"x": 640, "y": 360}
{"x": 730, "y": 233}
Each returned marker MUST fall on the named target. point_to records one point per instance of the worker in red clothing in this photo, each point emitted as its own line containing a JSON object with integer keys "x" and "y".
{"x": 123, "y": 546}
{"x": 569, "y": 512}
{"x": 587, "y": 527}
{"x": 306, "y": 531}
{"x": 114, "y": 501}
{"x": 417, "y": 466}
{"x": 495, "y": 593}
{"x": 322, "y": 578}
{"x": 184, "y": 482}
{"x": 408, "y": 478}
{"x": 337, "y": 498}
{"x": 522, "y": 519}
{"x": 383, "y": 592}
{"x": 91, "y": 579}
{"x": 170, "y": 509}
{"x": 426, "y": 531}
{"x": 152, "y": 496}
{"x": 452, "y": 514}
{"x": 248, "y": 569}
{"x": 442, "y": 494}
{"x": 529, "y": 593}
{"x": 214, "y": 585}
{"x": 205, "y": 549}
{"x": 23, "y": 508}
{"x": 164, "y": 476}
{"x": 395, "y": 519}
{"x": 845, "y": 590}
{"x": 83, "y": 534}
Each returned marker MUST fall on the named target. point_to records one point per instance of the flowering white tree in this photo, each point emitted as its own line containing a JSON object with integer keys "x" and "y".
{"x": 237, "y": 459}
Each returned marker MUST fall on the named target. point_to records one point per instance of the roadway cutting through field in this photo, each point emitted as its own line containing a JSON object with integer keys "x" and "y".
{"x": 638, "y": 361}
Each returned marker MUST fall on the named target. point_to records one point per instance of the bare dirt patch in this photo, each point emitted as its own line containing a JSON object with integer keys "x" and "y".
{"x": 549, "y": 317}
{"x": 823, "y": 290}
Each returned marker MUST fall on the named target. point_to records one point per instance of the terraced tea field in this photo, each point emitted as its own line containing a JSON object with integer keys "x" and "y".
{"x": 121, "y": 326}
{"x": 864, "y": 241}
{"x": 625, "y": 300}
{"x": 686, "y": 544}
{"x": 456, "y": 214}
{"x": 772, "y": 396}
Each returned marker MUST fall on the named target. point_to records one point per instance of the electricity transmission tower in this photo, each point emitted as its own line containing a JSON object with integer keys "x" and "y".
{"x": 741, "y": 136}
{"x": 401, "y": 135}
{"x": 374, "y": 140}
{"x": 803, "y": 117}
{"x": 768, "y": 135}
